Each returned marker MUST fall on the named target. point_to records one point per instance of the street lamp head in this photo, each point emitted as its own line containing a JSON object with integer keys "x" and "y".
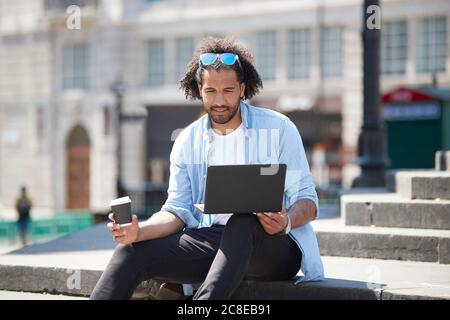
{"x": 118, "y": 87}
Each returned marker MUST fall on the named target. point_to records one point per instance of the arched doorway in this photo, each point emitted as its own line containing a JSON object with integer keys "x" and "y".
{"x": 77, "y": 172}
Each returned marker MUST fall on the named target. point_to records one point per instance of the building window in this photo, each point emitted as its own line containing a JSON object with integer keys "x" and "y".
{"x": 298, "y": 54}
{"x": 184, "y": 49}
{"x": 431, "y": 49}
{"x": 75, "y": 66}
{"x": 394, "y": 47}
{"x": 331, "y": 52}
{"x": 156, "y": 63}
{"x": 266, "y": 46}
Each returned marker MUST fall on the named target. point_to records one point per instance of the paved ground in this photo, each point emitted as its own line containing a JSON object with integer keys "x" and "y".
{"x": 19, "y": 295}
{"x": 7, "y": 247}
{"x": 400, "y": 277}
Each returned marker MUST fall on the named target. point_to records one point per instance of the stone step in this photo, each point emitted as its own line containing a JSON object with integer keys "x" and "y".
{"x": 392, "y": 210}
{"x": 73, "y": 264}
{"x": 346, "y": 279}
{"x": 337, "y": 239}
{"x": 425, "y": 184}
{"x": 20, "y": 295}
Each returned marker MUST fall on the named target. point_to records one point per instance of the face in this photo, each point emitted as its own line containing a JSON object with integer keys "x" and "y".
{"x": 221, "y": 92}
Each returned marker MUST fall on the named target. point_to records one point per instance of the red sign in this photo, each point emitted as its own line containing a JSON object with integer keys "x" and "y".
{"x": 406, "y": 95}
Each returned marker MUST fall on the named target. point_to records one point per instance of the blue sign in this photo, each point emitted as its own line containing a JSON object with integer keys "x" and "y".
{"x": 422, "y": 111}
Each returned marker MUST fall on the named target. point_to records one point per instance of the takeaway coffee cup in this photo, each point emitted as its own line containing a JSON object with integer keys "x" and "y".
{"x": 121, "y": 207}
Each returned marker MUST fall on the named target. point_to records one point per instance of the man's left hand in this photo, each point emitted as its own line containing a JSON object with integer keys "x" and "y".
{"x": 273, "y": 222}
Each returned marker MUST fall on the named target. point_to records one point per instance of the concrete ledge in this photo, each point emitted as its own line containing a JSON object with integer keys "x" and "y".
{"x": 444, "y": 251}
{"x": 425, "y": 184}
{"x": 337, "y": 239}
{"x": 391, "y": 210}
{"x": 56, "y": 268}
{"x": 58, "y": 281}
{"x": 335, "y": 289}
{"x": 20, "y": 295}
{"x": 387, "y": 280}
{"x": 327, "y": 289}
{"x": 52, "y": 280}
{"x": 429, "y": 188}
{"x": 413, "y": 294}
{"x": 377, "y": 246}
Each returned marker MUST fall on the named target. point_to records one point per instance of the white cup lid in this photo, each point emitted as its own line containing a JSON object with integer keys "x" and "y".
{"x": 118, "y": 201}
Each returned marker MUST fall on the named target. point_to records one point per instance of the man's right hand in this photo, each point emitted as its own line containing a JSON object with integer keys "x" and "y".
{"x": 126, "y": 233}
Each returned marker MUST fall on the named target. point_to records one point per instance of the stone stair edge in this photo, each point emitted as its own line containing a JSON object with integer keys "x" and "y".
{"x": 423, "y": 184}
{"x": 329, "y": 288}
{"x": 390, "y": 197}
{"x": 338, "y": 225}
{"x": 418, "y": 214}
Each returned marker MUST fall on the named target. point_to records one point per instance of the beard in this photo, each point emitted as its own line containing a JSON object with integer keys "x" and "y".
{"x": 222, "y": 114}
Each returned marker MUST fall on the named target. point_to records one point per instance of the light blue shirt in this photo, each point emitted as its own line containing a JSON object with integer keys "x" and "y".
{"x": 270, "y": 137}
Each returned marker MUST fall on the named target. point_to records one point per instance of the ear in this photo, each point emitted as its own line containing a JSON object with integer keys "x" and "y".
{"x": 200, "y": 90}
{"x": 242, "y": 90}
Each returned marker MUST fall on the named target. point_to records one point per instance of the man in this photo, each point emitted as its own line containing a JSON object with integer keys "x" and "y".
{"x": 23, "y": 207}
{"x": 180, "y": 244}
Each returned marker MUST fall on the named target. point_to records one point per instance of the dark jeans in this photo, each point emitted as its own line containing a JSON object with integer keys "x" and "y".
{"x": 218, "y": 257}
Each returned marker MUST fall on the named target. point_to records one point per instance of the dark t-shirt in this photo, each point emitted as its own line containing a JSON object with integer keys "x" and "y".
{"x": 24, "y": 207}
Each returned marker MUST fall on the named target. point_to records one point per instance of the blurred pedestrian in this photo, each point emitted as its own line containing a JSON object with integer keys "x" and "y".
{"x": 23, "y": 206}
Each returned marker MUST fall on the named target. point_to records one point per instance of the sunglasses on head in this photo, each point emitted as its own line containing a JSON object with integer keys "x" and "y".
{"x": 228, "y": 59}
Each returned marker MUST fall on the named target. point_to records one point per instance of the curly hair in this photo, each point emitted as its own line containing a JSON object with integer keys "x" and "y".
{"x": 248, "y": 74}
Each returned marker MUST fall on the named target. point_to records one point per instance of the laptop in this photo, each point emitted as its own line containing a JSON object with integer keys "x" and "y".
{"x": 244, "y": 189}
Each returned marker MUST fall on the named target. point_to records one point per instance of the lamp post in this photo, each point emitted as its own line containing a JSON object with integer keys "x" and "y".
{"x": 372, "y": 140}
{"x": 118, "y": 89}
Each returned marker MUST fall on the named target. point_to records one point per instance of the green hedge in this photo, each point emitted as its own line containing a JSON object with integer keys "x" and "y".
{"x": 58, "y": 225}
